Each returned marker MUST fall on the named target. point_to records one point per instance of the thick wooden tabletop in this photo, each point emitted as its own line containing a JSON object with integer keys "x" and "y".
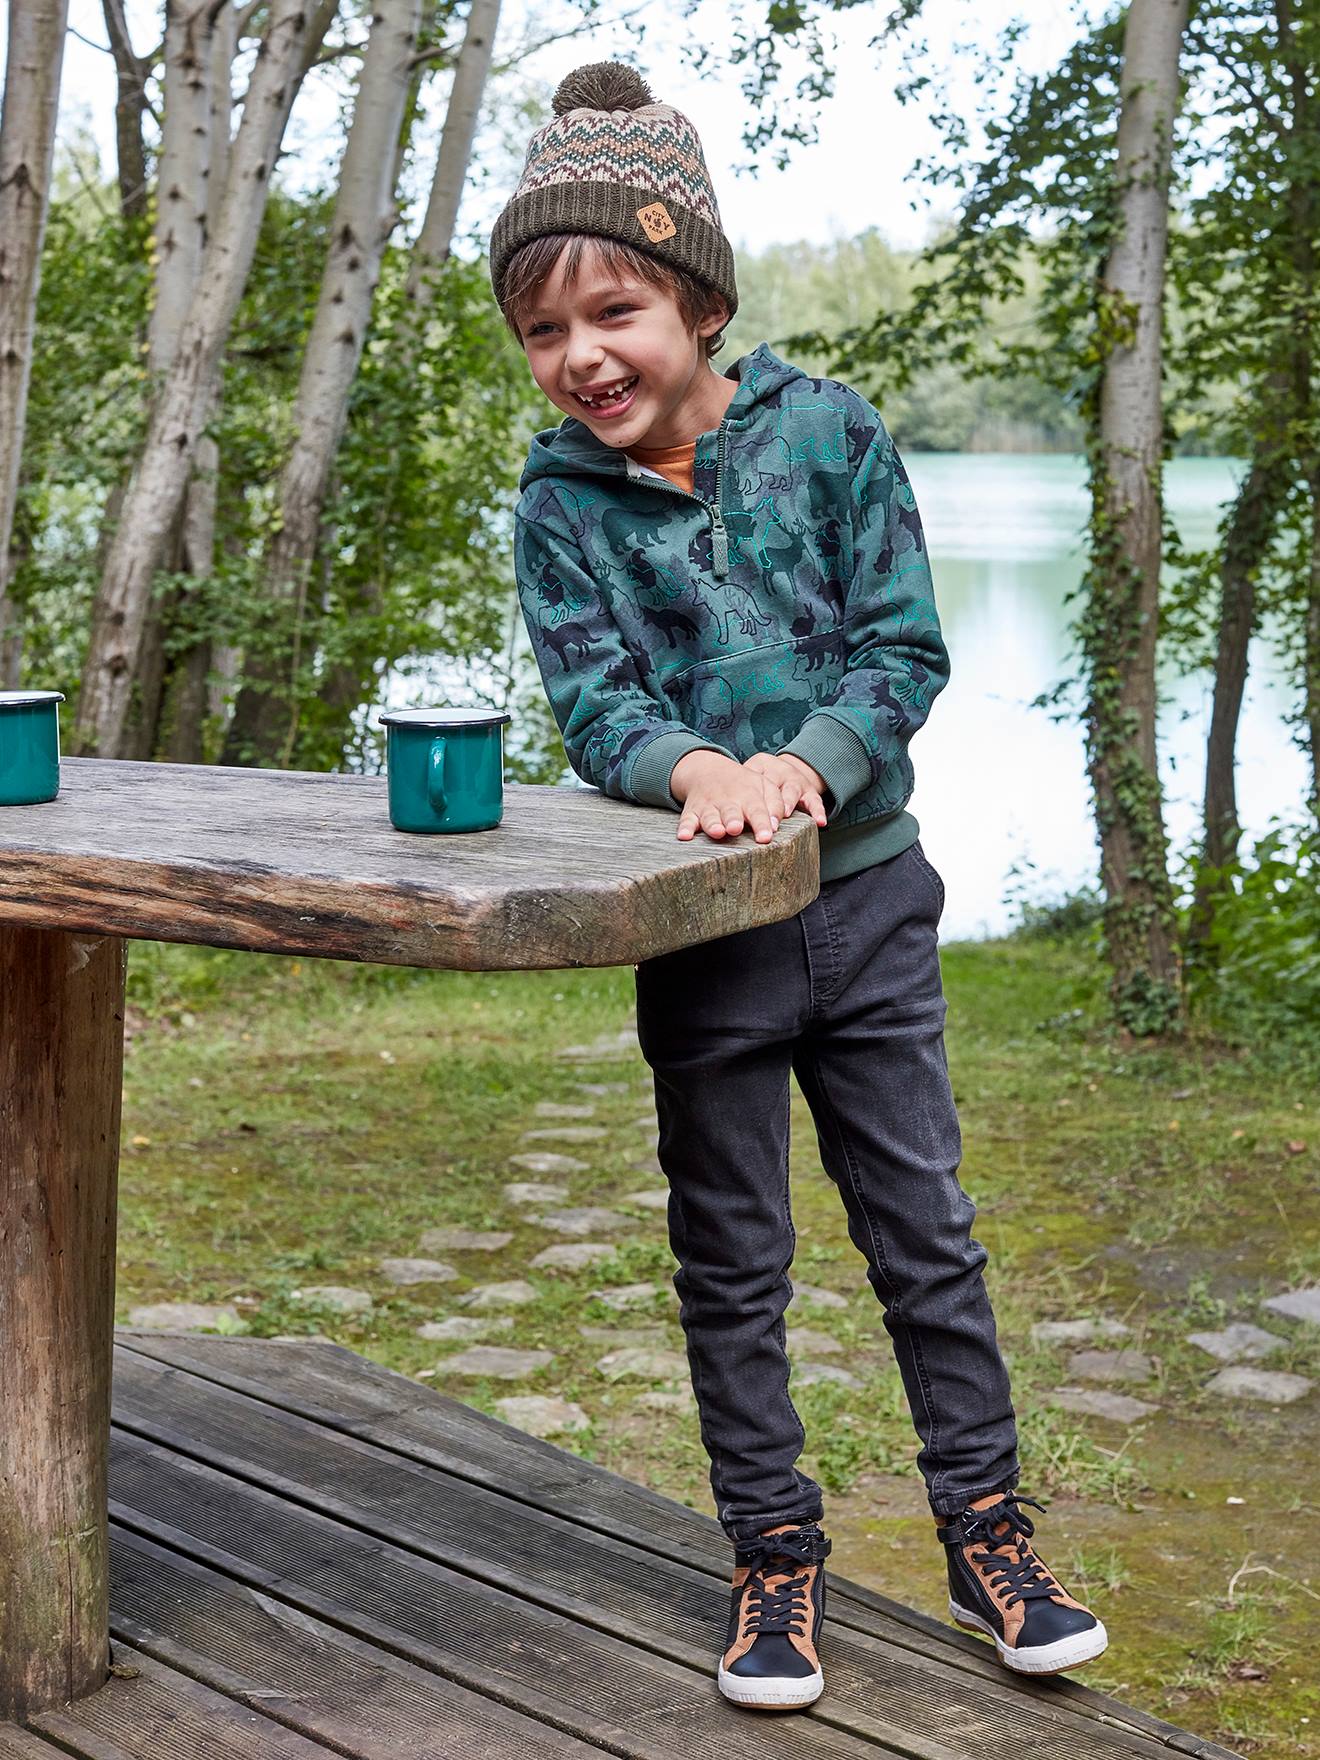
{"x": 301, "y": 863}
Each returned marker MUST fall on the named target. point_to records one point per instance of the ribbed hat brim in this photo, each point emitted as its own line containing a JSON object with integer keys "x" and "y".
{"x": 609, "y": 210}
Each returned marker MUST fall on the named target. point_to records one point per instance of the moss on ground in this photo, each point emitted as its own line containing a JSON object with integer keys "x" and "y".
{"x": 289, "y": 1123}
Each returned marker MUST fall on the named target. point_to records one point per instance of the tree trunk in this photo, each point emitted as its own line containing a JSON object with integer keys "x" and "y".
{"x": 264, "y": 722}
{"x": 1120, "y": 624}
{"x": 451, "y": 166}
{"x": 1253, "y": 517}
{"x": 182, "y": 737}
{"x": 347, "y": 685}
{"x": 35, "y": 59}
{"x": 186, "y": 397}
{"x": 183, "y": 175}
{"x": 1255, "y": 513}
{"x": 130, "y": 107}
{"x": 199, "y": 48}
{"x": 1303, "y": 178}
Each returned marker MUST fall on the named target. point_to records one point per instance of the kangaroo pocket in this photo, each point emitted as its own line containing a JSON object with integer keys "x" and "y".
{"x": 756, "y": 700}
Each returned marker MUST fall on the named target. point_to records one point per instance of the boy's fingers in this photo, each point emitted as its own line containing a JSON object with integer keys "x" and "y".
{"x": 763, "y": 816}
{"x": 731, "y": 817}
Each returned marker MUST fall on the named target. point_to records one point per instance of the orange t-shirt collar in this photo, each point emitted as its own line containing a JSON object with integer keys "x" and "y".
{"x": 674, "y": 462}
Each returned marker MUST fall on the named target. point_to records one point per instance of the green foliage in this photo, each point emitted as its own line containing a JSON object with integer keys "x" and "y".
{"x": 1260, "y": 972}
{"x": 945, "y": 408}
{"x": 84, "y": 422}
{"x": 1074, "y": 916}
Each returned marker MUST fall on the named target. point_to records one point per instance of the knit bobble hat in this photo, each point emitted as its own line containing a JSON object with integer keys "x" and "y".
{"x": 613, "y": 163}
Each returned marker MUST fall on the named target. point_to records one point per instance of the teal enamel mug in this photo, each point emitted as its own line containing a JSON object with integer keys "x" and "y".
{"x": 29, "y": 747}
{"x": 445, "y": 768}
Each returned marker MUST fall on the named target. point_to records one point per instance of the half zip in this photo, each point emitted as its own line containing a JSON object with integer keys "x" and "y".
{"x": 719, "y": 532}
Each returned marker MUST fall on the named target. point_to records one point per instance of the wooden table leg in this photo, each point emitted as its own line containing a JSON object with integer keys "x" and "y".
{"x": 61, "y": 1060}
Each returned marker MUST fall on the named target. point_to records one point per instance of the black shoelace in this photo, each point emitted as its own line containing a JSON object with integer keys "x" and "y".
{"x": 1012, "y": 1569}
{"x": 786, "y": 1608}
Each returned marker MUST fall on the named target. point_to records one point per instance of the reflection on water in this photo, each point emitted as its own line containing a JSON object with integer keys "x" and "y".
{"x": 998, "y": 782}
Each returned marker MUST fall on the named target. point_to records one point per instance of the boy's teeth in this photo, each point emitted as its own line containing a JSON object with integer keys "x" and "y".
{"x": 615, "y": 396}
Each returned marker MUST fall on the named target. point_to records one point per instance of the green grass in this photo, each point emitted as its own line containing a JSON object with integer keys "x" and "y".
{"x": 289, "y": 1123}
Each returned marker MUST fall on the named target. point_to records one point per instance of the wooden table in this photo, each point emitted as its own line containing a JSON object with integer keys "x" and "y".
{"x": 275, "y": 862}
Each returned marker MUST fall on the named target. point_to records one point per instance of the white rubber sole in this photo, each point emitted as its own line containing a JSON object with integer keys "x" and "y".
{"x": 1070, "y": 1652}
{"x": 773, "y": 1692}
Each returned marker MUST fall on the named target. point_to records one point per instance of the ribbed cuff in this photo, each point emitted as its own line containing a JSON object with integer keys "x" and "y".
{"x": 649, "y": 780}
{"x": 837, "y": 752}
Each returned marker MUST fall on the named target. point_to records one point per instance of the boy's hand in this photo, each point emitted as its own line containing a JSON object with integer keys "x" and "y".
{"x": 797, "y": 782}
{"x": 720, "y": 796}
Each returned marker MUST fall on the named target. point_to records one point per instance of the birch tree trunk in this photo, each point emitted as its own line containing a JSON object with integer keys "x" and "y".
{"x": 200, "y": 40}
{"x": 1121, "y": 621}
{"x": 451, "y": 166}
{"x": 347, "y": 684}
{"x": 264, "y": 719}
{"x": 186, "y": 397}
{"x": 180, "y": 739}
{"x": 33, "y": 65}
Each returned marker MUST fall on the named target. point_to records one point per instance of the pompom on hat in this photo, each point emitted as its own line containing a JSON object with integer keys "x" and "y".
{"x": 613, "y": 163}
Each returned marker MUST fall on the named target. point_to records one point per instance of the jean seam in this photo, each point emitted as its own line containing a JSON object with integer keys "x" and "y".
{"x": 932, "y": 877}
{"x": 832, "y": 933}
{"x": 811, "y": 969}
{"x": 792, "y": 1248}
{"x": 882, "y": 1264}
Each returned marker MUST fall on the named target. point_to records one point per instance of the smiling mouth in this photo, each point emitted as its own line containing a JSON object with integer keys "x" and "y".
{"x": 603, "y": 399}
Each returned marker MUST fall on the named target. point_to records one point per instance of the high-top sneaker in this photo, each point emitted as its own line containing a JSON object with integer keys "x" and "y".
{"x": 770, "y": 1659}
{"x": 999, "y": 1586}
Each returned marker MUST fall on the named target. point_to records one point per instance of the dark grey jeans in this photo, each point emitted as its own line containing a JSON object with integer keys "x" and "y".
{"x": 847, "y": 995}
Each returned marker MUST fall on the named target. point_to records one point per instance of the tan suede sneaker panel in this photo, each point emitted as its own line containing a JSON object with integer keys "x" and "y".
{"x": 1013, "y": 1616}
{"x": 801, "y": 1642}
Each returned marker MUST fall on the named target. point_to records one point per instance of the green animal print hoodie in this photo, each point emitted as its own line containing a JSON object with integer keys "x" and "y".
{"x": 785, "y": 606}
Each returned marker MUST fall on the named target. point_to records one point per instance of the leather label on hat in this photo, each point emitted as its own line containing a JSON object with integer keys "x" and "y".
{"x": 656, "y": 222}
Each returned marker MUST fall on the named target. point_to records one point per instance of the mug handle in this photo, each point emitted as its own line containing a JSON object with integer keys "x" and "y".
{"x": 435, "y": 775}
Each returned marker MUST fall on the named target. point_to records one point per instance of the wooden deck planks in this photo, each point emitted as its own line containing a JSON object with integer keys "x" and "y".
{"x": 545, "y": 1663}
{"x": 335, "y": 1387}
{"x": 20, "y": 1744}
{"x": 879, "y": 1691}
{"x": 306, "y": 1674}
{"x": 159, "y": 1714}
{"x": 400, "y": 1576}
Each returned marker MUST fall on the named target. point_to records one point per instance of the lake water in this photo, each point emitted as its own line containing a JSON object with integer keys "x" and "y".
{"x": 1000, "y": 785}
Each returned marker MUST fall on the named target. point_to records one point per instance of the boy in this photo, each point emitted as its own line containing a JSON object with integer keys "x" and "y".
{"x": 725, "y": 584}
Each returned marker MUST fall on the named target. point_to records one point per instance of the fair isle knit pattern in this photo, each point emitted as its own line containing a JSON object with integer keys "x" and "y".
{"x": 654, "y": 148}
{"x": 613, "y": 163}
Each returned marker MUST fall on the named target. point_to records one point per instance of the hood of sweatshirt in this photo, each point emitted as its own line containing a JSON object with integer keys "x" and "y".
{"x": 572, "y": 449}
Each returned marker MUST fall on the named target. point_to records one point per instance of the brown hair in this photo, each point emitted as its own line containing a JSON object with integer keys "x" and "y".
{"x": 529, "y": 267}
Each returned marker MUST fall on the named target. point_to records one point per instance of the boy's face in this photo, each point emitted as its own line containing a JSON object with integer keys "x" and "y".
{"x": 607, "y": 332}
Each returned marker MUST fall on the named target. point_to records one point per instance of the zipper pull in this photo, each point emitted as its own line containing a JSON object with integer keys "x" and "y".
{"x": 719, "y": 543}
